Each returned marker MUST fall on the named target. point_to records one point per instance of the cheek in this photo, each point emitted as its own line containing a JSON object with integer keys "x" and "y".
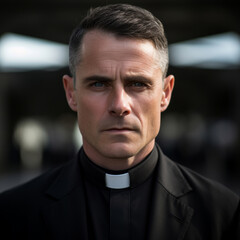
{"x": 155, "y": 115}
{"x": 151, "y": 113}
{"x": 89, "y": 112}
{"x": 84, "y": 113}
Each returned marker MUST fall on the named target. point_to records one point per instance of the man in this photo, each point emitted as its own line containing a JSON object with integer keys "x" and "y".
{"x": 120, "y": 185}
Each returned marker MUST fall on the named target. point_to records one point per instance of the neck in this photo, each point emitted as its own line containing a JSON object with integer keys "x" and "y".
{"x": 131, "y": 177}
{"x": 116, "y": 163}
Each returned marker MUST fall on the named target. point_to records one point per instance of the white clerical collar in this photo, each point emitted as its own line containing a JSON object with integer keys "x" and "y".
{"x": 117, "y": 181}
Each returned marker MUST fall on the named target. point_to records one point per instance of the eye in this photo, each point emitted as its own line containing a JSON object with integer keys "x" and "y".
{"x": 138, "y": 84}
{"x": 98, "y": 84}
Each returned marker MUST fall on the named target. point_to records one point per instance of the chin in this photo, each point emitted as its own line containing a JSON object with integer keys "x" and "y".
{"x": 121, "y": 151}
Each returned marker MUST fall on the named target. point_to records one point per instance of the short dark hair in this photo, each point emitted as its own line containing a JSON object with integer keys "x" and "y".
{"x": 122, "y": 20}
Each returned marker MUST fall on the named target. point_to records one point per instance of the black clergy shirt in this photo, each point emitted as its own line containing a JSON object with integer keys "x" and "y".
{"x": 118, "y": 212}
{"x": 170, "y": 202}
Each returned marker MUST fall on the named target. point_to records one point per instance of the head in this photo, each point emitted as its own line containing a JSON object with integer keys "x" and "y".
{"x": 122, "y": 20}
{"x": 118, "y": 61}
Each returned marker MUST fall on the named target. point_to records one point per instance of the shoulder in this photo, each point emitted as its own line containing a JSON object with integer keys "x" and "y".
{"x": 33, "y": 191}
{"x": 216, "y": 205}
{"x": 216, "y": 209}
{"x": 22, "y": 208}
{"x": 175, "y": 176}
{"x": 18, "y": 205}
{"x": 209, "y": 189}
{"x": 179, "y": 180}
{"x": 32, "y": 188}
{"x": 213, "y": 203}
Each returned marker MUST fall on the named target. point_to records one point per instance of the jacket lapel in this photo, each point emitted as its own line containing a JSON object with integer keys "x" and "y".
{"x": 65, "y": 217}
{"x": 169, "y": 216}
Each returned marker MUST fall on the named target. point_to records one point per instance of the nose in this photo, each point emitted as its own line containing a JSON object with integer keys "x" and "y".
{"x": 119, "y": 103}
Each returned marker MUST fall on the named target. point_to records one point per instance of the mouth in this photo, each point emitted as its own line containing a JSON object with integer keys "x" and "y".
{"x": 119, "y": 130}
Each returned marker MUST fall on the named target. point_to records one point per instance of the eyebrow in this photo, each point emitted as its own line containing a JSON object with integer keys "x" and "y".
{"x": 97, "y": 78}
{"x": 138, "y": 78}
{"x": 108, "y": 79}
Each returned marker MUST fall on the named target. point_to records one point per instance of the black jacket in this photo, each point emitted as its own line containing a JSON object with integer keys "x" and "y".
{"x": 185, "y": 205}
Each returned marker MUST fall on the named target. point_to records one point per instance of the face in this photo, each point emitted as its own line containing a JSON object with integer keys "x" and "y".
{"x": 119, "y": 95}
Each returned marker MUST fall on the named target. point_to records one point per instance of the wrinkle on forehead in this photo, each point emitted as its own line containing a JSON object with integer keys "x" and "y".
{"x": 106, "y": 55}
{"x": 112, "y": 45}
{"x": 116, "y": 68}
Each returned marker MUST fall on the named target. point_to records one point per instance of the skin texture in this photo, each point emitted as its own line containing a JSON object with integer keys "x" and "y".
{"x": 119, "y": 96}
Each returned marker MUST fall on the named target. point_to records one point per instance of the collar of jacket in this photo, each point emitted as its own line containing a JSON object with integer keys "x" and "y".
{"x": 168, "y": 175}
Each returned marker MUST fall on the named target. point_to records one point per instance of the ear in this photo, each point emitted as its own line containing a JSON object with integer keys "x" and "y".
{"x": 167, "y": 92}
{"x": 68, "y": 85}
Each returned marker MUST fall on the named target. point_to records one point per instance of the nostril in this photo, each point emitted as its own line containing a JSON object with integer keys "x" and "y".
{"x": 119, "y": 112}
{"x": 119, "y": 103}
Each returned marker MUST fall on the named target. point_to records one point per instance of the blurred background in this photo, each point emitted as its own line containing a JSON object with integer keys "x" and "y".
{"x": 200, "y": 129}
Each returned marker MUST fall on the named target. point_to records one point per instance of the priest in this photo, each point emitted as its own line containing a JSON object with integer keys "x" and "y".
{"x": 120, "y": 185}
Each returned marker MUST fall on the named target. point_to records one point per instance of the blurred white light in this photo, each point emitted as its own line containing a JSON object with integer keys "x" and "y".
{"x": 31, "y": 137}
{"x": 19, "y": 52}
{"x": 217, "y": 51}
{"x": 23, "y": 53}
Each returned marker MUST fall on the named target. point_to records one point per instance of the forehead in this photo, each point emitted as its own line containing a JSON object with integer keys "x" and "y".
{"x": 99, "y": 46}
